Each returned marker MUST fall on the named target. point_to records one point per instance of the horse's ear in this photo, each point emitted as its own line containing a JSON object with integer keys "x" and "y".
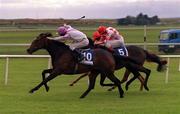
{"x": 48, "y": 34}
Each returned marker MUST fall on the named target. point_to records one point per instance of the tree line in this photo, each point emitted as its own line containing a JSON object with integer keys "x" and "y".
{"x": 140, "y": 19}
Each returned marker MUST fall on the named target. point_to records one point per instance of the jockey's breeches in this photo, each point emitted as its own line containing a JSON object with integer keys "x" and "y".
{"x": 84, "y": 42}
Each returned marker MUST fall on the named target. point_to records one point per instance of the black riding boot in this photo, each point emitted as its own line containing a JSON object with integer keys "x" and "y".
{"x": 77, "y": 55}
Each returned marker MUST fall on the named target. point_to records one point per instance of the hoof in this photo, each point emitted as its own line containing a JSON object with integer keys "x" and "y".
{"x": 47, "y": 89}
{"x": 126, "y": 87}
{"x": 71, "y": 84}
{"x": 82, "y": 97}
{"x": 31, "y": 91}
{"x": 110, "y": 89}
{"x": 122, "y": 96}
{"x": 146, "y": 88}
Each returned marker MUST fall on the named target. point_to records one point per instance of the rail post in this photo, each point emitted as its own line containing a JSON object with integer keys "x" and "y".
{"x": 6, "y": 71}
{"x": 167, "y": 71}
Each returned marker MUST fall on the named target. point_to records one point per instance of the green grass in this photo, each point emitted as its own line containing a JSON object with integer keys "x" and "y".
{"x": 62, "y": 99}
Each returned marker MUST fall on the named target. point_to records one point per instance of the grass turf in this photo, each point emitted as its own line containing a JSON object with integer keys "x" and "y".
{"x": 62, "y": 99}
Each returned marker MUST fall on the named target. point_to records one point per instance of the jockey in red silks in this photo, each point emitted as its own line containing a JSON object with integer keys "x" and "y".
{"x": 111, "y": 36}
{"x": 78, "y": 39}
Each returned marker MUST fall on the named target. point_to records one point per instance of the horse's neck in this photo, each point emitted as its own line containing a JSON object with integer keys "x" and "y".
{"x": 54, "y": 49}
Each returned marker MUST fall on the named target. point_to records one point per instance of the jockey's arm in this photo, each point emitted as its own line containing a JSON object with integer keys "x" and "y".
{"x": 109, "y": 33}
{"x": 98, "y": 43}
{"x": 59, "y": 38}
{"x": 55, "y": 38}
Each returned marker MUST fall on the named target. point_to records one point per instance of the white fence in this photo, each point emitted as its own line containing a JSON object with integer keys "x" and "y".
{"x": 49, "y": 62}
{"x": 21, "y": 56}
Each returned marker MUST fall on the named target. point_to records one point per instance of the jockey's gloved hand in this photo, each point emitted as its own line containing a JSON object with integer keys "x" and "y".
{"x": 50, "y": 38}
{"x": 108, "y": 45}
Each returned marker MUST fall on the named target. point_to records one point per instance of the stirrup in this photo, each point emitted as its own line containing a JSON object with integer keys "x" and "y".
{"x": 80, "y": 58}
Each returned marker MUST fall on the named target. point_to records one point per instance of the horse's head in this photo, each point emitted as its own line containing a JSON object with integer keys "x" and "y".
{"x": 39, "y": 43}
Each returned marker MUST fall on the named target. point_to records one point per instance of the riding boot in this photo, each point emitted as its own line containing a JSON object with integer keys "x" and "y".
{"x": 77, "y": 55}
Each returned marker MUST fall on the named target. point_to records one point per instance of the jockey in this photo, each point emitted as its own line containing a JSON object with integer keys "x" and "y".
{"x": 111, "y": 37}
{"x": 78, "y": 38}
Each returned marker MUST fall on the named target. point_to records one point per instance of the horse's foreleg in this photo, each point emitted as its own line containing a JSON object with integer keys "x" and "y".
{"x": 44, "y": 77}
{"x": 102, "y": 79}
{"x": 53, "y": 74}
{"x": 134, "y": 68}
{"x": 126, "y": 75}
{"x": 117, "y": 83}
{"x": 92, "y": 79}
{"x": 129, "y": 82}
{"x": 76, "y": 80}
{"x": 125, "y": 78}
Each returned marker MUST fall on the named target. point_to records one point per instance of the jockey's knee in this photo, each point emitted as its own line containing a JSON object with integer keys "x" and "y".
{"x": 86, "y": 42}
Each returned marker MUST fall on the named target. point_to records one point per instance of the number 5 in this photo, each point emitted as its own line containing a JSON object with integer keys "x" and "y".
{"x": 121, "y": 52}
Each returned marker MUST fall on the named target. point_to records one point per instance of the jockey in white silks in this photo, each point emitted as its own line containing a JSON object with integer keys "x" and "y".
{"x": 77, "y": 38}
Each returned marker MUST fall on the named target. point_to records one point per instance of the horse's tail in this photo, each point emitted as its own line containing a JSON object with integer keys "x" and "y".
{"x": 154, "y": 58}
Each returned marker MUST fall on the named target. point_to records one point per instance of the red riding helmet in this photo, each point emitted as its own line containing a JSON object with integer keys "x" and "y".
{"x": 102, "y": 29}
{"x": 96, "y": 36}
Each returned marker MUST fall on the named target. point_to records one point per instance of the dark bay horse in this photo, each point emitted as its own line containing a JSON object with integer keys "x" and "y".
{"x": 140, "y": 56}
{"x": 63, "y": 62}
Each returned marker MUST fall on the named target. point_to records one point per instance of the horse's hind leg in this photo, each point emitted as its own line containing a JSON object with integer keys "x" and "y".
{"x": 147, "y": 72}
{"x": 92, "y": 80}
{"x": 147, "y": 77}
{"x": 141, "y": 79}
{"x": 44, "y": 77}
{"x": 75, "y": 81}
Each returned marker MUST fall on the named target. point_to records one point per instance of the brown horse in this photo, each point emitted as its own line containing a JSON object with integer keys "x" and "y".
{"x": 63, "y": 62}
{"x": 140, "y": 56}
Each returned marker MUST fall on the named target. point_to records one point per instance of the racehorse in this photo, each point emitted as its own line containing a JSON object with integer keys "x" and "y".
{"x": 140, "y": 56}
{"x": 63, "y": 62}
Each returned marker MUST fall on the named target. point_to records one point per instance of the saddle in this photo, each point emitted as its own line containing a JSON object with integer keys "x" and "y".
{"x": 84, "y": 56}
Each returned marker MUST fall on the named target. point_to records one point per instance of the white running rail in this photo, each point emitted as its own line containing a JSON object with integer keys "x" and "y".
{"x": 7, "y": 57}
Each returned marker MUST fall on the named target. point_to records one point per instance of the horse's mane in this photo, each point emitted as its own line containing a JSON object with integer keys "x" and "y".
{"x": 57, "y": 44}
{"x": 60, "y": 44}
{"x": 91, "y": 42}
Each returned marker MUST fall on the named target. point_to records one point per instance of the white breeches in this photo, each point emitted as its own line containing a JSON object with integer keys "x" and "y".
{"x": 114, "y": 43}
{"x": 83, "y": 43}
